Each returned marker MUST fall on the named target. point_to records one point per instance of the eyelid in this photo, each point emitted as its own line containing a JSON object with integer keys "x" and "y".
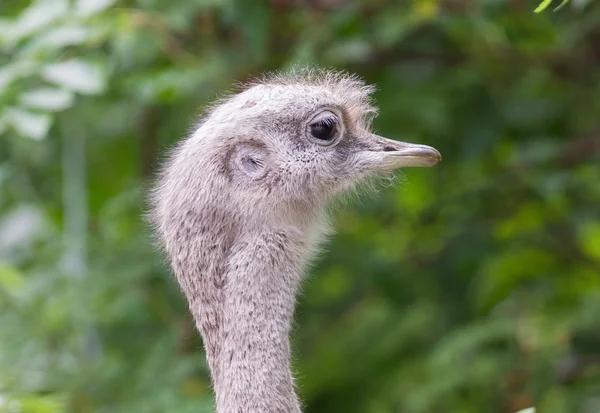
{"x": 326, "y": 114}
{"x": 329, "y": 121}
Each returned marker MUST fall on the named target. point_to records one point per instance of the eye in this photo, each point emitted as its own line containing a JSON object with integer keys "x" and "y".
{"x": 325, "y": 128}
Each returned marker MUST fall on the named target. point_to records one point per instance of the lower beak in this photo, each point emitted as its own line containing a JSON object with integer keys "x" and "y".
{"x": 395, "y": 154}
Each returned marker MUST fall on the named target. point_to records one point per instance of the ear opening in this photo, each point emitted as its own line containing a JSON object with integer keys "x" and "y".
{"x": 251, "y": 165}
{"x": 250, "y": 161}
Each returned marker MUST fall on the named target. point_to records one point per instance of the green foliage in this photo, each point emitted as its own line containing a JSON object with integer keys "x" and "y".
{"x": 544, "y": 5}
{"x": 474, "y": 286}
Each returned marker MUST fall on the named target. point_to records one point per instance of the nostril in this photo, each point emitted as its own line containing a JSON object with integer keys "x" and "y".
{"x": 389, "y": 149}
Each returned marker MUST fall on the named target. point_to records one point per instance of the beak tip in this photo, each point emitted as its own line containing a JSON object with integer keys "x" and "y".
{"x": 431, "y": 155}
{"x": 404, "y": 154}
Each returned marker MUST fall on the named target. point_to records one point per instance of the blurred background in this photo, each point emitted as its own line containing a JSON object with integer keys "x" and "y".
{"x": 473, "y": 286}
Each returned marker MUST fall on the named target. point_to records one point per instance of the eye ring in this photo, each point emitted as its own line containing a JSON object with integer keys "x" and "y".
{"x": 325, "y": 128}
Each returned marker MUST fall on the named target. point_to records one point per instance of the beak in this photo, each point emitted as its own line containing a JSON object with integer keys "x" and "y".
{"x": 392, "y": 154}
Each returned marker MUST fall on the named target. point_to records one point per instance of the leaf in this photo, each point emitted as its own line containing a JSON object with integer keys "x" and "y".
{"x": 543, "y": 6}
{"x": 510, "y": 269}
{"x": 589, "y": 238}
{"x": 77, "y": 75}
{"x": 42, "y": 404}
{"x": 426, "y": 9}
{"x": 58, "y": 38}
{"x": 86, "y": 8}
{"x": 11, "y": 280}
{"x": 5, "y": 27}
{"x": 37, "y": 16}
{"x": 21, "y": 226}
{"x": 29, "y": 124}
{"x": 14, "y": 71}
{"x": 47, "y": 99}
{"x": 459, "y": 344}
{"x": 561, "y": 5}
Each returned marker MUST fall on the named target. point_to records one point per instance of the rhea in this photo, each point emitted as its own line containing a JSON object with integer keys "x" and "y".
{"x": 241, "y": 205}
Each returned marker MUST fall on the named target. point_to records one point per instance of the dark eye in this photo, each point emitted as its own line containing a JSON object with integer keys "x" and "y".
{"x": 324, "y": 129}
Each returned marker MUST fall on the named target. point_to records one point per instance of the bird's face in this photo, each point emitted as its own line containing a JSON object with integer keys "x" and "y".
{"x": 298, "y": 143}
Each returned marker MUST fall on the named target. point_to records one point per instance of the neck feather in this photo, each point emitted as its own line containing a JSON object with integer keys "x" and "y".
{"x": 254, "y": 359}
{"x": 241, "y": 291}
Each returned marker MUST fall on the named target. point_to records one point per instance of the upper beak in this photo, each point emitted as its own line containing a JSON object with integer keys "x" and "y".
{"x": 395, "y": 154}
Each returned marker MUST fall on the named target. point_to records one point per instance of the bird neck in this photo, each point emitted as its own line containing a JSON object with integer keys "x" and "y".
{"x": 253, "y": 359}
{"x": 241, "y": 286}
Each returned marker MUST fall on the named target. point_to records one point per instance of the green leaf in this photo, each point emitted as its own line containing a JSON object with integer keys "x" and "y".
{"x": 76, "y": 75}
{"x": 14, "y": 71}
{"x": 589, "y": 238}
{"x": 56, "y": 39}
{"x": 469, "y": 340}
{"x": 543, "y": 6}
{"x": 86, "y": 8}
{"x": 36, "y": 17}
{"x": 11, "y": 279}
{"x": 28, "y": 124}
{"x": 47, "y": 99}
{"x": 42, "y": 404}
{"x": 5, "y": 28}
{"x": 561, "y": 5}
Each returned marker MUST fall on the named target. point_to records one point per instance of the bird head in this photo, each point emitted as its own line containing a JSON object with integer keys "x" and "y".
{"x": 287, "y": 143}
